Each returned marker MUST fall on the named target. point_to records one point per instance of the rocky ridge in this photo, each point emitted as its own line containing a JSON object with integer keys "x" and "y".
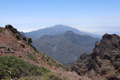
{"x": 104, "y": 62}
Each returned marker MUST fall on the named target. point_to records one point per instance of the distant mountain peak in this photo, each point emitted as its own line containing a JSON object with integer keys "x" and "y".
{"x": 60, "y": 25}
{"x": 54, "y": 30}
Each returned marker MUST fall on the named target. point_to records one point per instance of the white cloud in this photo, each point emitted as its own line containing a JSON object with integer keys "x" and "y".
{"x": 100, "y": 30}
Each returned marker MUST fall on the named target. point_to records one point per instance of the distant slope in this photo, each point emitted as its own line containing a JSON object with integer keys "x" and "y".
{"x": 57, "y": 29}
{"x": 23, "y": 34}
{"x": 65, "y": 48}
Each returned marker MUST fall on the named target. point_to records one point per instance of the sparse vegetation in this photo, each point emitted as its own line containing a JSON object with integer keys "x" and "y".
{"x": 48, "y": 76}
{"x": 52, "y": 76}
{"x": 50, "y": 61}
{"x": 24, "y": 38}
{"x": 32, "y": 57}
{"x": 1, "y": 30}
{"x": 12, "y": 67}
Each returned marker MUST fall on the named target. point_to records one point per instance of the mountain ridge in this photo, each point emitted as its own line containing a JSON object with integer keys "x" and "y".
{"x": 66, "y": 47}
{"x": 57, "y": 29}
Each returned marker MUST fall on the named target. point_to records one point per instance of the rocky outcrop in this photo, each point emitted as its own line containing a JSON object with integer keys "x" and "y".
{"x": 15, "y": 33}
{"x": 5, "y": 49}
{"x": 79, "y": 66}
{"x": 10, "y": 27}
{"x": 103, "y": 62}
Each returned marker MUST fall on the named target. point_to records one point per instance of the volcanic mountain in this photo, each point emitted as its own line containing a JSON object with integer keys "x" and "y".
{"x": 54, "y": 30}
{"x": 65, "y": 48}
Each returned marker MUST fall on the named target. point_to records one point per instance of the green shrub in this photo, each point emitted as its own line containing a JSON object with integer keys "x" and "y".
{"x": 52, "y": 76}
{"x": 24, "y": 38}
{"x": 29, "y": 41}
{"x": 12, "y": 67}
{"x": 48, "y": 76}
{"x": 48, "y": 63}
{"x": 1, "y": 30}
{"x": 56, "y": 65}
{"x": 32, "y": 57}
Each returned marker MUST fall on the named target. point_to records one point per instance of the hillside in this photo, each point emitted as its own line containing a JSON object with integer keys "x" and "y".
{"x": 66, "y": 47}
{"x": 57, "y": 29}
{"x": 104, "y": 62}
{"x": 20, "y": 60}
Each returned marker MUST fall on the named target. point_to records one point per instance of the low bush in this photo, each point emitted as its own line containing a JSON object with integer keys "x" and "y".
{"x": 13, "y": 67}
{"x": 1, "y": 30}
{"x": 53, "y": 76}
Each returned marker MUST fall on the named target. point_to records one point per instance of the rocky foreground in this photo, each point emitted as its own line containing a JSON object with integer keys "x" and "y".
{"x": 103, "y": 63}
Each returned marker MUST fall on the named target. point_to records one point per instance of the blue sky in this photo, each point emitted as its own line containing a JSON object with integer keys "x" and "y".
{"x": 95, "y": 16}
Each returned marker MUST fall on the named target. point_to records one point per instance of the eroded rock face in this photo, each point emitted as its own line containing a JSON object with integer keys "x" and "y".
{"x": 103, "y": 62}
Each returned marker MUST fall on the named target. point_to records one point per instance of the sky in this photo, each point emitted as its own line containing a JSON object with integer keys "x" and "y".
{"x": 95, "y": 16}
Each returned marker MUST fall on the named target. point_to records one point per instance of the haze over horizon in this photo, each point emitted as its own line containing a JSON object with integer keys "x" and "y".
{"x": 92, "y": 16}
